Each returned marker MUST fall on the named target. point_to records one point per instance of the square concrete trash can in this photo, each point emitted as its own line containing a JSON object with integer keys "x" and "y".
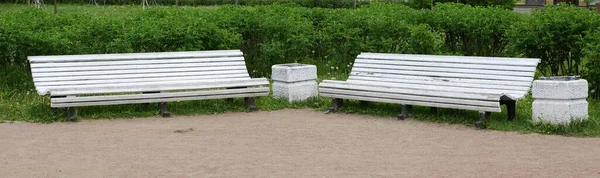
{"x": 294, "y": 82}
{"x": 559, "y": 100}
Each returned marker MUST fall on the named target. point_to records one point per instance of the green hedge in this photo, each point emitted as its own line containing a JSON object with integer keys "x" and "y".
{"x": 564, "y": 37}
{"x": 555, "y": 35}
{"x": 419, "y": 4}
{"x": 591, "y": 51}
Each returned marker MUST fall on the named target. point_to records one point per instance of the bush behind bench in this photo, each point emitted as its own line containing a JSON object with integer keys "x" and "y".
{"x": 564, "y": 36}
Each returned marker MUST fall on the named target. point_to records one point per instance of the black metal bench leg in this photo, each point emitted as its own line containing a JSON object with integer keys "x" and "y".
{"x": 511, "y": 107}
{"x": 406, "y": 110}
{"x": 250, "y": 103}
{"x": 71, "y": 114}
{"x": 163, "y": 110}
{"x": 483, "y": 118}
{"x": 336, "y": 104}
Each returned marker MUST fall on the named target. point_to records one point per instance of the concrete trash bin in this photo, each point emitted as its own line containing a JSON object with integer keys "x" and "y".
{"x": 294, "y": 82}
{"x": 559, "y": 100}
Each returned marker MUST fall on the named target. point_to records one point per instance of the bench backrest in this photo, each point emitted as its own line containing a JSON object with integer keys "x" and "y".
{"x": 71, "y": 71}
{"x": 511, "y": 77}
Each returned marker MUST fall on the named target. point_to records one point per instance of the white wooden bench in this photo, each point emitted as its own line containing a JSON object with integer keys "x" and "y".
{"x": 458, "y": 82}
{"x": 109, "y": 79}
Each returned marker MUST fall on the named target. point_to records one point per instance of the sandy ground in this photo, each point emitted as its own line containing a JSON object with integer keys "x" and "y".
{"x": 286, "y": 143}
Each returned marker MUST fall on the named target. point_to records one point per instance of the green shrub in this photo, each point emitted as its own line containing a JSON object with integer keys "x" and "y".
{"x": 554, "y": 34}
{"x": 472, "y": 31}
{"x": 426, "y": 4}
{"x": 591, "y": 51}
{"x": 269, "y": 35}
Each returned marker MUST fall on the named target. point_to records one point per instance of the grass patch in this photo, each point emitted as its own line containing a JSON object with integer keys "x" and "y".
{"x": 20, "y": 102}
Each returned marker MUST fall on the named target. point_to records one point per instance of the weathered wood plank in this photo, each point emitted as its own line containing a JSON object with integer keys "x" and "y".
{"x": 138, "y": 71}
{"x": 435, "y": 99}
{"x": 135, "y": 62}
{"x": 432, "y": 81}
{"x": 443, "y": 79}
{"x": 434, "y": 88}
{"x": 160, "y": 95}
{"x": 348, "y": 86}
{"x": 416, "y": 103}
{"x": 447, "y": 65}
{"x": 157, "y": 87}
{"x": 435, "y": 70}
{"x": 137, "y": 80}
{"x": 135, "y": 56}
{"x": 128, "y": 76}
{"x": 61, "y": 105}
{"x": 139, "y": 66}
{"x": 444, "y": 74}
{"x": 453, "y": 59}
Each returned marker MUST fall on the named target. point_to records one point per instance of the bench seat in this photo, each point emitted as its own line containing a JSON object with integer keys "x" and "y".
{"x": 457, "y": 82}
{"x": 109, "y": 79}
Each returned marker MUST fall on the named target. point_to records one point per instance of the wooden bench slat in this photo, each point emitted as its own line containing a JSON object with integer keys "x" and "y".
{"x": 135, "y": 62}
{"x": 410, "y": 97}
{"x": 158, "y": 87}
{"x": 400, "y": 101}
{"x": 475, "y": 72}
{"x": 447, "y": 65}
{"x": 461, "y": 80}
{"x": 158, "y": 95}
{"x": 139, "y": 71}
{"x": 138, "y": 66}
{"x": 134, "y": 56}
{"x": 446, "y": 94}
{"x": 441, "y": 83}
{"x": 207, "y": 97}
{"x": 443, "y": 74}
{"x": 453, "y": 59}
{"x": 435, "y": 88}
{"x": 129, "y": 76}
{"x": 136, "y": 80}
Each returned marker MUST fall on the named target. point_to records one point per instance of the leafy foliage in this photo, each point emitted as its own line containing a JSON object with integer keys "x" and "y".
{"x": 591, "y": 51}
{"x": 472, "y": 31}
{"x": 554, "y": 34}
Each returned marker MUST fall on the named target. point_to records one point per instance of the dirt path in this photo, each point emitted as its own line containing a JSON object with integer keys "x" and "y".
{"x": 286, "y": 143}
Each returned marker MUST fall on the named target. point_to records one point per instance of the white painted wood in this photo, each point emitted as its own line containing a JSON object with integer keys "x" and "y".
{"x": 475, "y": 72}
{"x": 137, "y": 80}
{"x": 443, "y": 79}
{"x": 263, "y": 90}
{"x": 78, "y": 90}
{"x": 447, "y": 65}
{"x": 435, "y": 82}
{"x": 154, "y": 83}
{"x": 453, "y": 59}
{"x": 437, "y": 99}
{"x": 139, "y": 66}
{"x": 135, "y": 62}
{"x": 471, "y": 83}
{"x": 139, "y": 71}
{"x": 417, "y": 103}
{"x": 135, "y": 56}
{"x": 349, "y": 86}
{"x": 434, "y": 88}
{"x": 444, "y": 74}
{"x": 178, "y": 76}
{"x": 128, "y": 76}
{"x": 155, "y": 100}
